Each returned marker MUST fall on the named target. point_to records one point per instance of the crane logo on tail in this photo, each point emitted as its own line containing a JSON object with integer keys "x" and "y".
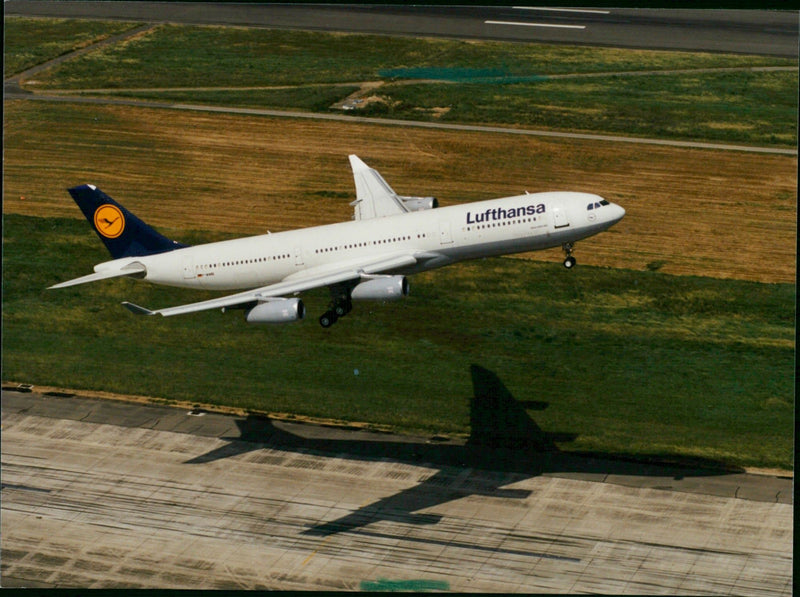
{"x": 109, "y": 221}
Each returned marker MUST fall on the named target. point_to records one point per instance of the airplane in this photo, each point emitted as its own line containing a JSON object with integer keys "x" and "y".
{"x": 369, "y": 258}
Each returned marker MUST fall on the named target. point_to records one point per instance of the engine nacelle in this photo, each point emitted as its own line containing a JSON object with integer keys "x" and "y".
{"x": 385, "y": 288}
{"x": 277, "y": 311}
{"x": 419, "y": 203}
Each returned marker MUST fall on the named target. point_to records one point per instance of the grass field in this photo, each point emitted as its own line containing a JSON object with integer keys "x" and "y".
{"x": 673, "y": 338}
{"x": 233, "y": 56}
{"x": 30, "y": 42}
{"x": 716, "y": 107}
{"x": 710, "y": 213}
{"x": 680, "y": 106}
{"x": 640, "y": 363}
{"x": 222, "y": 66}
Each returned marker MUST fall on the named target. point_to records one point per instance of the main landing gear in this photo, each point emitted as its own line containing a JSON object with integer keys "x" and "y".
{"x": 340, "y": 306}
{"x": 569, "y": 262}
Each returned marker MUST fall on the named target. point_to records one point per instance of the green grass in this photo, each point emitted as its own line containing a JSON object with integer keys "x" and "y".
{"x": 757, "y": 108}
{"x": 192, "y": 56}
{"x": 631, "y": 362}
{"x": 746, "y": 107}
{"x": 493, "y": 82}
{"x": 29, "y": 42}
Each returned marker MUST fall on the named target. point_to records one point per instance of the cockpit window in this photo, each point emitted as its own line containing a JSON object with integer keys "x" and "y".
{"x": 592, "y": 206}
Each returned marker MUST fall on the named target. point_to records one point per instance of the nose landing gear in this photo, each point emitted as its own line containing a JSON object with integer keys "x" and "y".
{"x": 570, "y": 261}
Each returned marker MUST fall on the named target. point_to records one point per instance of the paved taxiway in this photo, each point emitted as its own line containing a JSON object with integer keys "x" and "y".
{"x": 98, "y": 493}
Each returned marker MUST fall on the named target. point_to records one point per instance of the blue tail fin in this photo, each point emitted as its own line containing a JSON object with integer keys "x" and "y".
{"x": 123, "y": 234}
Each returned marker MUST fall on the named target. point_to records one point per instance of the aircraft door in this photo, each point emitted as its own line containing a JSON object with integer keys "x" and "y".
{"x": 560, "y": 218}
{"x": 298, "y": 256}
{"x": 445, "y": 235}
{"x": 188, "y": 268}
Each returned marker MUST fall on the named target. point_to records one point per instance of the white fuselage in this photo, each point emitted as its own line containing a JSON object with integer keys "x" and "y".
{"x": 438, "y": 237}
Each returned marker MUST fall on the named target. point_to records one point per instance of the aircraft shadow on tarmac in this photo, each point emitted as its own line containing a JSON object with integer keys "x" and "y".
{"x": 503, "y": 438}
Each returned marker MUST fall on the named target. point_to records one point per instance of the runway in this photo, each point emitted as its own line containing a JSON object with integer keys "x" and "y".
{"x": 742, "y": 31}
{"x": 105, "y": 494}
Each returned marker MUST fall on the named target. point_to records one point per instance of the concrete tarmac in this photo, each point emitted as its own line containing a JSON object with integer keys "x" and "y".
{"x": 101, "y": 494}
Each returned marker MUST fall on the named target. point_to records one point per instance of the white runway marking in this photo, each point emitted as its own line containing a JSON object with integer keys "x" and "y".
{"x": 518, "y": 24}
{"x": 575, "y": 10}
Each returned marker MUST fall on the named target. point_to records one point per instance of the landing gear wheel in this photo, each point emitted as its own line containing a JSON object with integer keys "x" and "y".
{"x": 569, "y": 262}
{"x": 342, "y": 307}
{"x": 341, "y": 304}
{"x": 327, "y": 319}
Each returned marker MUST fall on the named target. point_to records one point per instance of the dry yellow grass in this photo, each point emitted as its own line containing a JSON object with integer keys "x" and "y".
{"x": 700, "y": 212}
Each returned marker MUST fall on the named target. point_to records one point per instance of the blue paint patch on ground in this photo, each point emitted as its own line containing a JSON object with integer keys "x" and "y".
{"x": 459, "y": 75}
{"x": 416, "y": 586}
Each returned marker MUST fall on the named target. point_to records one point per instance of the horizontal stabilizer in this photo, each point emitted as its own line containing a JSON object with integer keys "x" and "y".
{"x": 137, "y": 309}
{"x": 133, "y": 270}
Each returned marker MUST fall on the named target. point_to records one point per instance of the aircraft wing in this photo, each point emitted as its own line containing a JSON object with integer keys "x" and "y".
{"x": 305, "y": 280}
{"x": 374, "y": 197}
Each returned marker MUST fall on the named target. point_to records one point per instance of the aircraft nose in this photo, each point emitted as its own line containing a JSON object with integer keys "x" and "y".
{"x": 619, "y": 212}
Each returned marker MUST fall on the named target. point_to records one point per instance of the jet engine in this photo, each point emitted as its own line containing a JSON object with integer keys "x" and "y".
{"x": 385, "y": 288}
{"x": 419, "y": 203}
{"x": 277, "y": 311}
